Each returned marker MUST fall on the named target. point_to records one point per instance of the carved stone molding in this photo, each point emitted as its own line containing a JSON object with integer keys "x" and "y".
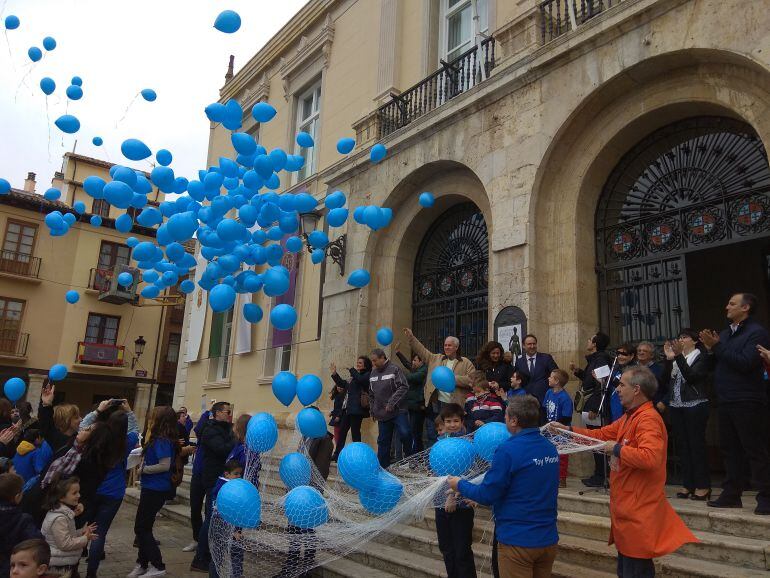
{"x": 255, "y": 93}
{"x": 307, "y": 51}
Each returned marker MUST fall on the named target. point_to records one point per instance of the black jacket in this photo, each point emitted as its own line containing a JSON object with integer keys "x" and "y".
{"x": 536, "y": 384}
{"x": 15, "y": 527}
{"x": 694, "y": 377}
{"x": 359, "y": 382}
{"x": 591, "y": 387}
{"x": 500, "y": 374}
{"x": 415, "y": 397}
{"x": 739, "y": 372}
{"x": 217, "y": 441}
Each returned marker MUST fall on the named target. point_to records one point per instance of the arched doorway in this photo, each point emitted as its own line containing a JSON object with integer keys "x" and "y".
{"x": 683, "y": 220}
{"x": 449, "y": 295}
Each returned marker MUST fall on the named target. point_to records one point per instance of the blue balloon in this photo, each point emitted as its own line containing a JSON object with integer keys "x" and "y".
{"x": 378, "y": 153}
{"x": 317, "y": 256}
{"x": 426, "y": 199}
{"x": 144, "y": 251}
{"x": 96, "y": 221}
{"x": 74, "y": 92}
{"x": 285, "y": 387}
{"x": 124, "y": 175}
{"x": 135, "y": 150}
{"x": 94, "y": 186}
{"x": 67, "y": 124}
{"x": 230, "y": 230}
{"x": 318, "y": 239}
{"x": 14, "y": 388}
{"x": 384, "y": 336}
{"x": 97, "y": 141}
{"x": 443, "y": 378}
{"x": 150, "y": 292}
{"x": 373, "y": 217}
{"x": 52, "y": 194}
{"x": 295, "y": 469}
{"x": 118, "y": 194}
{"x": 148, "y": 94}
{"x": 309, "y": 389}
{"x": 345, "y": 145}
{"x": 49, "y": 43}
{"x": 182, "y": 226}
{"x": 305, "y": 140}
{"x": 294, "y": 245}
{"x": 216, "y": 112}
{"x": 34, "y": 53}
{"x": 233, "y": 115}
{"x": 278, "y": 157}
{"x": 47, "y": 85}
{"x": 221, "y": 298}
{"x": 384, "y": 497}
{"x": 12, "y": 22}
{"x": 5, "y": 187}
{"x": 187, "y": 286}
{"x": 124, "y": 223}
{"x": 335, "y": 200}
{"x": 358, "y": 466}
{"x": 57, "y": 372}
{"x": 239, "y": 503}
{"x": 294, "y": 163}
{"x": 252, "y": 312}
{"x": 304, "y": 202}
{"x": 126, "y": 279}
{"x": 263, "y": 112}
{"x": 358, "y": 215}
{"x": 283, "y": 316}
{"x": 163, "y": 157}
{"x": 359, "y": 278}
{"x": 72, "y": 296}
{"x": 337, "y": 217}
{"x": 261, "y": 433}
{"x": 228, "y": 21}
{"x": 305, "y": 507}
{"x": 311, "y": 423}
{"x": 70, "y": 219}
{"x": 244, "y": 143}
{"x": 79, "y": 207}
{"x": 77, "y": 81}
{"x": 451, "y": 456}
{"x": 276, "y": 282}
{"x": 487, "y": 439}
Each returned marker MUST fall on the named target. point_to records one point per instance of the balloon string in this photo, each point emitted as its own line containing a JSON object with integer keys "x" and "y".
{"x": 48, "y": 122}
{"x": 24, "y": 82}
{"x": 8, "y": 44}
{"x": 125, "y": 112}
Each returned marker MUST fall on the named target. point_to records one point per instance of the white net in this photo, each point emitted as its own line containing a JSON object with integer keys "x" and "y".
{"x": 318, "y": 521}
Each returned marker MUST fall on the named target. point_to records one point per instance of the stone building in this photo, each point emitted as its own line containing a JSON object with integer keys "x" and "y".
{"x": 594, "y": 166}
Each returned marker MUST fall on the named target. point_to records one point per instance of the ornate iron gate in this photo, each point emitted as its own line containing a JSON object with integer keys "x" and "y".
{"x": 450, "y": 281}
{"x": 696, "y": 183}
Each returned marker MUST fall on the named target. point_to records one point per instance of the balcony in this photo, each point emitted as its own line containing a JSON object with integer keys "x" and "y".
{"x": 454, "y": 78}
{"x": 19, "y": 264}
{"x": 13, "y": 344}
{"x": 101, "y": 354}
{"x": 555, "y": 17}
{"x": 99, "y": 279}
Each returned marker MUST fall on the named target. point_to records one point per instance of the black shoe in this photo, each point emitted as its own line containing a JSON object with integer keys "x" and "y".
{"x": 593, "y": 483}
{"x": 725, "y": 502}
{"x": 704, "y": 498}
{"x": 762, "y": 510}
{"x": 196, "y": 568}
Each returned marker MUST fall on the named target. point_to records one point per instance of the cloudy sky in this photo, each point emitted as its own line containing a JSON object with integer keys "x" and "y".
{"x": 119, "y": 47}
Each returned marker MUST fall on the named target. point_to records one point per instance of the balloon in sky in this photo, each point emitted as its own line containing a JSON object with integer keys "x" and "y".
{"x": 221, "y": 297}
{"x": 305, "y": 507}
{"x": 263, "y": 112}
{"x": 285, "y": 387}
{"x": 305, "y": 140}
{"x": 77, "y": 81}
{"x": 124, "y": 223}
{"x": 79, "y": 207}
{"x": 96, "y": 221}
{"x": 72, "y": 296}
{"x": 239, "y": 504}
{"x": 252, "y": 312}
{"x": 49, "y": 43}
{"x": 311, "y": 423}
{"x": 126, "y": 279}
{"x": 345, "y": 145}
{"x": 14, "y": 388}
{"x": 148, "y": 94}
{"x": 294, "y": 470}
{"x": 335, "y": 200}
{"x": 97, "y": 141}
{"x": 57, "y": 372}
{"x": 12, "y": 22}
{"x": 47, "y": 85}
{"x": 359, "y": 278}
{"x": 34, "y": 53}
{"x": 443, "y": 378}
{"x": 74, "y": 92}
{"x": 378, "y": 153}
{"x": 228, "y": 21}
{"x": 337, "y": 217}
{"x": 5, "y": 187}
{"x": 309, "y": 388}
{"x": 384, "y": 336}
{"x": 426, "y": 199}
{"x": 317, "y": 256}
{"x": 52, "y": 194}
{"x": 163, "y": 157}
{"x": 68, "y": 124}
{"x": 135, "y": 150}
{"x": 283, "y": 316}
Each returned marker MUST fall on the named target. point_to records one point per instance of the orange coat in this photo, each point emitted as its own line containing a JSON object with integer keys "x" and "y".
{"x": 644, "y": 525}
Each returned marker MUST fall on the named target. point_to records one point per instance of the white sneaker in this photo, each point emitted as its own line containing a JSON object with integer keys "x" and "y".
{"x": 136, "y": 572}
{"x": 153, "y": 571}
{"x": 191, "y": 547}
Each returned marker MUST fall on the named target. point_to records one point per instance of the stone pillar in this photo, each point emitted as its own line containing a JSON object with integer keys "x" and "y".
{"x": 144, "y": 400}
{"x": 387, "y": 64}
{"x": 34, "y": 389}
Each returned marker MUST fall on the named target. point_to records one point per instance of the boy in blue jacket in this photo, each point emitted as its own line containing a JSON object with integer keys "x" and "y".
{"x": 233, "y": 470}
{"x": 26, "y": 459}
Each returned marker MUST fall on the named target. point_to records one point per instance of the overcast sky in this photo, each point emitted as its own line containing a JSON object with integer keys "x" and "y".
{"x": 119, "y": 47}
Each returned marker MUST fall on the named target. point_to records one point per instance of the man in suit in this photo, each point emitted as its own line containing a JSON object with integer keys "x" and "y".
{"x": 535, "y": 367}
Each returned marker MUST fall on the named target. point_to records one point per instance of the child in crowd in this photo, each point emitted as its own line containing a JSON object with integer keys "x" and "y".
{"x": 558, "y": 407}
{"x": 517, "y": 385}
{"x": 439, "y": 423}
{"x": 482, "y": 406}
{"x": 30, "y": 559}
{"x": 233, "y": 470}
{"x": 65, "y": 540}
{"x": 6, "y": 466}
{"x": 31, "y": 458}
{"x": 454, "y": 521}
{"x": 15, "y": 526}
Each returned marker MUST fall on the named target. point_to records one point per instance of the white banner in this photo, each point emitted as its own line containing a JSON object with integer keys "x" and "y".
{"x": 198, "y": 302}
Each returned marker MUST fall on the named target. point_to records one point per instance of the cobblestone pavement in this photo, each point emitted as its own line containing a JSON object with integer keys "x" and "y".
{"x": 121, "y": 555}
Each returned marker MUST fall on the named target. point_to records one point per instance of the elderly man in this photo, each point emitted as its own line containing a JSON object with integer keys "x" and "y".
{"x": 535, "y": 367}
{"x": 522, "y": 486}
{"x": 460, "y": 366}
{"x": 645, "y": 357}
{"x": 643, "y": 524}
{"x": 388, "y": 405}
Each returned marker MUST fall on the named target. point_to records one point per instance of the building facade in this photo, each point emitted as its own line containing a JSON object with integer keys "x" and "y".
{"x": 98, "y": 337}
{"x": 593, "y": 166}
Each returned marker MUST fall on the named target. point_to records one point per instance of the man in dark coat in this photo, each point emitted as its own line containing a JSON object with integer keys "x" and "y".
{"x": 388, "y": 405}
{"x": 535, "y": 367}
{"x": 742, "y": 393}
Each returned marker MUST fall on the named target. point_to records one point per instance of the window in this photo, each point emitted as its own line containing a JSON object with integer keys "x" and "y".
{"x": 11, "y": 312}
{"x": 172, "y": 352}
{"x": 457, "y": 30}
{"x": 17, "y": 248}
{"x": 283, "y": 358}
{"x": 100, "y": 207}
{"x": 219, "y": 345}
{"x": 102, "y": 329}
{"x": 110, "y": 255}
{"x": 308, "y": 113}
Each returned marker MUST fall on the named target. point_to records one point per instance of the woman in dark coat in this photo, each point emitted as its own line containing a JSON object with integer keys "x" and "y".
{"x": 490, "y": 360}
{"x": 355, "y": 411}
{"x": 416, "y": 374}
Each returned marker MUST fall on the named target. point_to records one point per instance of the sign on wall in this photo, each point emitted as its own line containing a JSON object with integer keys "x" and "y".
{"x": 510, "y": 329}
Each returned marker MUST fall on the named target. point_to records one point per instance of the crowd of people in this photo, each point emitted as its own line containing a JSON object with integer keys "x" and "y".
{"x": 63, "y": 478}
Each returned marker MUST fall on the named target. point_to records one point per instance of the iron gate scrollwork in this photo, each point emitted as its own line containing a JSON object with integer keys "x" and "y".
{"x": 449, "y": 296}
{"x": 699, "y": 182}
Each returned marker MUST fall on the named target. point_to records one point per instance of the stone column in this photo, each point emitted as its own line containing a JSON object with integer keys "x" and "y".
{"x": 34, "y": 389}
{"x": 144, "y": 400}
{"x": 389, "y": 54}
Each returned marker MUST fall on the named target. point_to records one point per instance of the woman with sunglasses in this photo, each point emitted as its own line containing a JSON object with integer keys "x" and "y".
{"x": 626, "y": 357}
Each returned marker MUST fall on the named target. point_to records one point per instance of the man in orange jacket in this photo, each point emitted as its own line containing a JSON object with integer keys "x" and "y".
{"x": 644, "y": 525}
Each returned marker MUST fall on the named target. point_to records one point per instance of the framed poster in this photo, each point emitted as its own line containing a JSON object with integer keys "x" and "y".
{"x": 510, "y": 329}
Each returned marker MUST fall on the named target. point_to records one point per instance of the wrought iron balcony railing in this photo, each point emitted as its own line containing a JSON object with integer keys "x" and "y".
{"x": 13, "y": 343}
{"x": 19, "y": 264}
{"x": 555, "y": 15}
{"x": 455, "y": 77}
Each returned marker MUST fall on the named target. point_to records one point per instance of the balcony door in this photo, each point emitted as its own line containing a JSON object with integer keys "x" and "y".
{"x": 11, "y": 312}
{"x": 102, "y": 329}
{"x": 110, "y": 255}
{"x": 457, "y": 26}
{"x": 18, "y": 245}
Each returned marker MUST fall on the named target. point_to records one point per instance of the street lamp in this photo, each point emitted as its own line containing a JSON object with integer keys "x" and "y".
{"x": 335, "y": 249}
{"x": 138, "y": 350}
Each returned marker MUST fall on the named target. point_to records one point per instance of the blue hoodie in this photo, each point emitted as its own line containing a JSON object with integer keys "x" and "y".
{"x": 522, "y": 486}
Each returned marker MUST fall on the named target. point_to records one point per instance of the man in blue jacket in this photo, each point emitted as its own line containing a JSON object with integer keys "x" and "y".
{"x": 742, "y": 393}
{"x": 522, "y": 486}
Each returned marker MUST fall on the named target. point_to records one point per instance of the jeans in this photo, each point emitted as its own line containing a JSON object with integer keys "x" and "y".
{"x": 743, "y": 434}
{"x": 350, "y": 423}
{"x": 104, "y": 511}
{"x": 150, "y": 503}
{"x": 688, "y": 426}
{"x": 635, "y": 567}
{"x": 385, "y": 437}
{"x": 197, "y": 495}
{"x": 417, "y": 421}
{"x": 202, "y": 553}
{"x": 455, "y": 536}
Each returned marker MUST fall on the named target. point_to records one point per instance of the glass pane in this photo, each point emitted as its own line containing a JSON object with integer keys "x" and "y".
{"x": 307, "y": 107}
{"x": 459, "y": 29}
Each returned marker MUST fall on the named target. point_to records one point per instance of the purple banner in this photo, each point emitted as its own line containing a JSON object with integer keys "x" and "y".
{"x": 291, "y": 262}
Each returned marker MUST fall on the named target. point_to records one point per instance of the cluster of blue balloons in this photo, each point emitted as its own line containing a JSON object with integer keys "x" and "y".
{"x": 378, "y": 491}
{"x": 375, "y": 218}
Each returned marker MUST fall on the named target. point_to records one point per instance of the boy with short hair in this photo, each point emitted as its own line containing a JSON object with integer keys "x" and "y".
{"x": 30, "y": 559}
{"x": 233, "y": 470}
{"x": 439, "y": 423}
{"x": 454, "y": 521}
{"x": 557, "y": 404}
{"x": 482, "y": 406}
{"x": 15, "y": 526}
{"x": 517, "y": 385}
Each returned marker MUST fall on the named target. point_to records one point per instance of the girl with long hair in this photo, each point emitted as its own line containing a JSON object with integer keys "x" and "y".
{"x": 357, "y": 403}
{"x": 498, "y": 372}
